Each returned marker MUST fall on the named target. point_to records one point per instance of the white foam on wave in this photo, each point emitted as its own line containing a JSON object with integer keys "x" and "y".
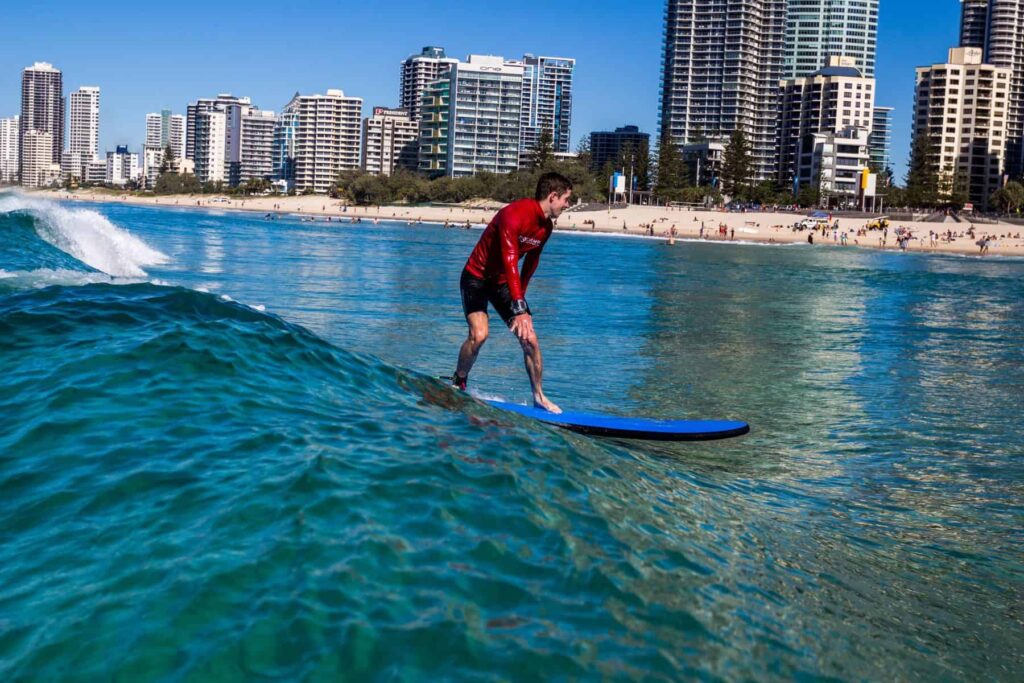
{"x": 46, "y": 277}
{"x": 87, "y": 235}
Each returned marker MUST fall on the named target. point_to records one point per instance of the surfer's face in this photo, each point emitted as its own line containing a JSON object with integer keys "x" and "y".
{"x": 559, "y": 203}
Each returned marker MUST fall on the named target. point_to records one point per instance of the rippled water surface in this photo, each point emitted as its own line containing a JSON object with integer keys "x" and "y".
{"x": 223, "y": 457}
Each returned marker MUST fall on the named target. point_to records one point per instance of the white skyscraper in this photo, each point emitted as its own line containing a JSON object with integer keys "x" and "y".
{"x": 317, "y": 137}
{"x": 210, "y": 146}
{"x": 997, "y": 28}
{"x": 9, "y": 150}
{"x": 176, "y": 135}
{"x": 485, "y": 106}
{"x": 219, "y": 103}
{"x": 256, "y": 146}
{"x": 243, "y": 131}
{"x": 84, "y": 123}
{"x": 83, "y": 132}
{"x": 154, "y": 131}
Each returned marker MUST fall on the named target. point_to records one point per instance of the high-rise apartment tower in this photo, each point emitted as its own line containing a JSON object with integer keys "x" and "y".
{"x": 42, "y": 111}
{"x": 961, "y": 107}
{"x": 546, "y": 101}
{"x": 84, "y": 124}
{"x": 316, "y": 138}
{"x": 418, "y": 71}
{"x": 721, "y": 67}
{"x": 996, "y": 27}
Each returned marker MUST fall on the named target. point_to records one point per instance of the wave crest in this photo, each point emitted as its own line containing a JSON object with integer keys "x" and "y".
{"x": 86, "y": 235}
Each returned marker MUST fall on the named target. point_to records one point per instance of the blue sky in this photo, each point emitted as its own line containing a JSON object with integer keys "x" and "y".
{"x": 147, "y": 56}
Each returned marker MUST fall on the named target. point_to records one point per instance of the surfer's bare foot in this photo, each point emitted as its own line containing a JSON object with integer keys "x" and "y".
{"x": 543, "y": 402}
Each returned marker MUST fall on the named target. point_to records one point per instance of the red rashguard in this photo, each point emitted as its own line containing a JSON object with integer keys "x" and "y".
{"x": 521, "y": 228}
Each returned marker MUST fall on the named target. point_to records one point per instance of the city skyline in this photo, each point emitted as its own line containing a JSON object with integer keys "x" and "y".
{"x": 616, "y": 80}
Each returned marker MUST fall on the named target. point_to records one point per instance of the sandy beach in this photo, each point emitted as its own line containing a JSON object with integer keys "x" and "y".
{"x": 681, "y": 223}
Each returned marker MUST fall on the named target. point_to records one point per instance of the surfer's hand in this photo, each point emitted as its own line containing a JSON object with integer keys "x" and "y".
{"x": 522, "y": 327}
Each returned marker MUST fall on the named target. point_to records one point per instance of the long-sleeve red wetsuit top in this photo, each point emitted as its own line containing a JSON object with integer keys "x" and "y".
{"x": 519, "y": 229}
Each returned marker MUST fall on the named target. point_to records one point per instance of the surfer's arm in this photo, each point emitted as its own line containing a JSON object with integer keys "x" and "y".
{"x": 530, "y": 263}
{"x": 509, "y": 234}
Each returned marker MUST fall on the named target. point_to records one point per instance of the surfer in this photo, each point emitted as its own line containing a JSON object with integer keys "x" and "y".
{"x": 492, "y": 274}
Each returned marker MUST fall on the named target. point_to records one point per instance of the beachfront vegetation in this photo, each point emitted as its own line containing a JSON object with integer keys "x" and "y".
{"x": 672, "y": 174}
{"x": 176, "y": 183}
{"x": 412, "y": 188}
{"x": 922, "y": 175}
{"x": 1008, "y": 199}
{"x": 737, "y": 166}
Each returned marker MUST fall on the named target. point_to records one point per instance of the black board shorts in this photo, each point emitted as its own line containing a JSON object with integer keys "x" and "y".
{"x": 477, "y": 292}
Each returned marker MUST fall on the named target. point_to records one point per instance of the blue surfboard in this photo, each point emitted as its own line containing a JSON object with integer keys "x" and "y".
{"x": 631, "y": 427}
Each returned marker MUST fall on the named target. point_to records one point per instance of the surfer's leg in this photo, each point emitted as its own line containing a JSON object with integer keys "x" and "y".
{"x": 535, "y": 370}
{"x": 477, "y": 322}
{"x": 474, "y": 293}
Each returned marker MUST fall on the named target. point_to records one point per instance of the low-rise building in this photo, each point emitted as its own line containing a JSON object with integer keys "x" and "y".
{"x": 122, "y": 167}
{"x": 390, "y": 141}
{"x": 836, "y": 163}
{"x": 704, "y": 161}
{"x": 606, "y": 146}
{"x": 72, "y": 165}
{"x": 95, "y": 172}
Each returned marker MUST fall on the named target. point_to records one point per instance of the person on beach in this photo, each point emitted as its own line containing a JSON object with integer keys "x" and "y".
{"x": 492, "y": 274}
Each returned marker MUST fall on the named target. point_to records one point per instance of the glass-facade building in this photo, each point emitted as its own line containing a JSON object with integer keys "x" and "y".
{"x": 880, "y": 140}
{"x": 819, "y": 29}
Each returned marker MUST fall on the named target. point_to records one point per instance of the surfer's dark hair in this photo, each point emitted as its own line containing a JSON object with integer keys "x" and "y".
{"x": 551, "y": 182}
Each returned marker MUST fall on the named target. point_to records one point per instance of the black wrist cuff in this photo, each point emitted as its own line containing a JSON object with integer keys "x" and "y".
{"x": 519, "y": 307}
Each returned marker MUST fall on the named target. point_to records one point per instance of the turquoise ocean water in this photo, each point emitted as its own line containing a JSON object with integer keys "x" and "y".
{"x": 223, "y": 457}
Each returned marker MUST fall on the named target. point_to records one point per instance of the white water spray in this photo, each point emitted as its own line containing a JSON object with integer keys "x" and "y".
{"x": 87, "y": 235}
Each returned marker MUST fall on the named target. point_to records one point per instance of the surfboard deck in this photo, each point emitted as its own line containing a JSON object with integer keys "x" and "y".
{"x": 632, "y": 427}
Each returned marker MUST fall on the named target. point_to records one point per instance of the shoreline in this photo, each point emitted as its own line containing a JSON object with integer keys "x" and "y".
{"x": 633, "y": 221}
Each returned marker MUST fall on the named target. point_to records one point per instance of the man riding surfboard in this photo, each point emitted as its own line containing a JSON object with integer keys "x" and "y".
{"x": 492, "y": 275}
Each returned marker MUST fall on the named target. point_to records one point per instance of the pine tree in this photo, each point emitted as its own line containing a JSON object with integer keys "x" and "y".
{"x": 583, "y": 154}
{"x": 670, "y": 169}
{"x": 923, "y": 173}
{"x": 168, "y": 162}
{"x": 543, "y": 153}
{"x": 642, "y": 169}
{"x": 737, "y": 165}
